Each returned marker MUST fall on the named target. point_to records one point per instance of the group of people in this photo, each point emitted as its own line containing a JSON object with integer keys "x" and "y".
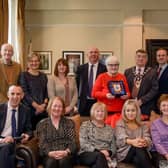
{"x": 131, "y": 141}
{"x": 115, "y": 102}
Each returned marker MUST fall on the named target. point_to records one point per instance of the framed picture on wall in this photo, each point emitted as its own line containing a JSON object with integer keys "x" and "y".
{"x": 74, "y": 58}
{"x": 104, "y": 55}
{"x": 45, "y": 61}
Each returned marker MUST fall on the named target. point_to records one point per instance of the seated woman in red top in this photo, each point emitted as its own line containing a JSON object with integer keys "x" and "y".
{"x": 111, "y": 88}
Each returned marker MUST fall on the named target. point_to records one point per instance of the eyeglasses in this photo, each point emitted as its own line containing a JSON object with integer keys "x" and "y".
{"x": 113, "y": 65}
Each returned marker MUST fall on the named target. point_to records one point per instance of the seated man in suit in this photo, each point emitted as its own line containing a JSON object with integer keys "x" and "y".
{"x": 143, "y": 83}
{"x": 14, "y": 122}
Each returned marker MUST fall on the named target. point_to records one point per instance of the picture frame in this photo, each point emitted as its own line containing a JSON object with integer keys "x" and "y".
{"x": 45, "y": 61}
{"x": 74, "y": 58}
{"x": 117, "y": 88}
{"x": 104, "y": 55}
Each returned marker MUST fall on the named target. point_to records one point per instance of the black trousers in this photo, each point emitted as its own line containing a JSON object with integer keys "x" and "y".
{"x": 139, "y": 157}
{"x": 66, "y": 162}
{"x": 7, "y": 155}
{"x": 94, "y": 159}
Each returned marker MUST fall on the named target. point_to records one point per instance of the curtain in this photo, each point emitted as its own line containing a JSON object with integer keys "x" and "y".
{"x": 21, "y": 32}
{"x": 3, "y": 21}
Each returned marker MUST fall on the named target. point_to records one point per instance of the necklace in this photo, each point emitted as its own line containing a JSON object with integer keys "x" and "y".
{"x": 138, "y": 77}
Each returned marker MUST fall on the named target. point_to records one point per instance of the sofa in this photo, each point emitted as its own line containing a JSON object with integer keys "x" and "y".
{"x": 29, "y": 151}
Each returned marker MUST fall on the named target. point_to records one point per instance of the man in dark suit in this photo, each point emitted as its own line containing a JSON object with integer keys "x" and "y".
{"x": 143, "y": 83}
{"x": 162, "y": 69}
{"x": 86, "y": 75}
{"x": 14, "y": 122}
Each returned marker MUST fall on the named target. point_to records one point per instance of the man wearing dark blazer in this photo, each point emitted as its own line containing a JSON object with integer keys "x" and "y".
{"x": 14, "y": 122}
{"x": 85, "y": 100}
{"x": 162, "y": 69}
{"x": 143, "y": 83}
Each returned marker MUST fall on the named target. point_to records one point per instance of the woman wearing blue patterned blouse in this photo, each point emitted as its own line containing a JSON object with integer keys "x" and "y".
{"x": 97, "y": 143}
{"x": 34, "y": 84}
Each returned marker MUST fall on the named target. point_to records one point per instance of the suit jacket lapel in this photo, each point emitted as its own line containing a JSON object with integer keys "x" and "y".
{"x": 132, "y": 74}
{"x": 98, "y": 70}
{"x": 19, "y": 117}
{"x": 163, "y": 73}
{"x": 143, "y": 78}
{"x": 4, "y": 114}
{"x": 86, "y": 72}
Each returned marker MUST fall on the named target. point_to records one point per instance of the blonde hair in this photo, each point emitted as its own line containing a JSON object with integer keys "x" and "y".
{"x": 51, "y": 102}
{"x": 33, "y": 54}
{"x": 96, "y": 106}
{"x": 138, "y": 111}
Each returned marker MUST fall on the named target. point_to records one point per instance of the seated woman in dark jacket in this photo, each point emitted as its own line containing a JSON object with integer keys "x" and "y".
{"x": 34, "y": 84}
{"x": 97, "y": 143}
{"x": 57, "y": 137}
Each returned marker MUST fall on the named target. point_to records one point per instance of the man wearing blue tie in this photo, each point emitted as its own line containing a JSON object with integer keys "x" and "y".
{"x": 14, "y": 123}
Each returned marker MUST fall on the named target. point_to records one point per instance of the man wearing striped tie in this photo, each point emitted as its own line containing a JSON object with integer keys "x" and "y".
{"x": 14, "y": 124}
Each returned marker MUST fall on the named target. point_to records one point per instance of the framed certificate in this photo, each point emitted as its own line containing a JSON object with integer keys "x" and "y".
{"x": 116, "y": 88}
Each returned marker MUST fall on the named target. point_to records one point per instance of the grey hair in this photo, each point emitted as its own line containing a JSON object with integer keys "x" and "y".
{"x": 110, "y": 59}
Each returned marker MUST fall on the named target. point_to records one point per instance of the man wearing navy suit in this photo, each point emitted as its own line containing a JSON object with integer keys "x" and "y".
{"x": 162, "y": 69}
{"x": 14, "y": 122}
{"x": 85, "y": 100}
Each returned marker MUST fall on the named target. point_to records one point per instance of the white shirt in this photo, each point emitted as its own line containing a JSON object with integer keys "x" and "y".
{"x": 7, "y": 131}
{"x": 94, "y": 71}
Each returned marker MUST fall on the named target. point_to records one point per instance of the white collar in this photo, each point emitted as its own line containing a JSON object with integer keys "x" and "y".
{"x": 10, "y": 107}
{"x": 96, "y": 64}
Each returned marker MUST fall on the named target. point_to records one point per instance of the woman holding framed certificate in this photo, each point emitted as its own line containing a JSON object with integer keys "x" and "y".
{"x": 111, "y": 88}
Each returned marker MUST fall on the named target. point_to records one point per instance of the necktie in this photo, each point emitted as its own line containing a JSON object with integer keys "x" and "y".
{"x": 159, "y": 70}
{"x": 90, "y": 81}
{"x": 13, "y": 119}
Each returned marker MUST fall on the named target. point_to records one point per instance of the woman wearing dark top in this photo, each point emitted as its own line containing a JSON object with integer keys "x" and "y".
{"x": 34, "y": 84}
{"x": 57, "y": 137}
